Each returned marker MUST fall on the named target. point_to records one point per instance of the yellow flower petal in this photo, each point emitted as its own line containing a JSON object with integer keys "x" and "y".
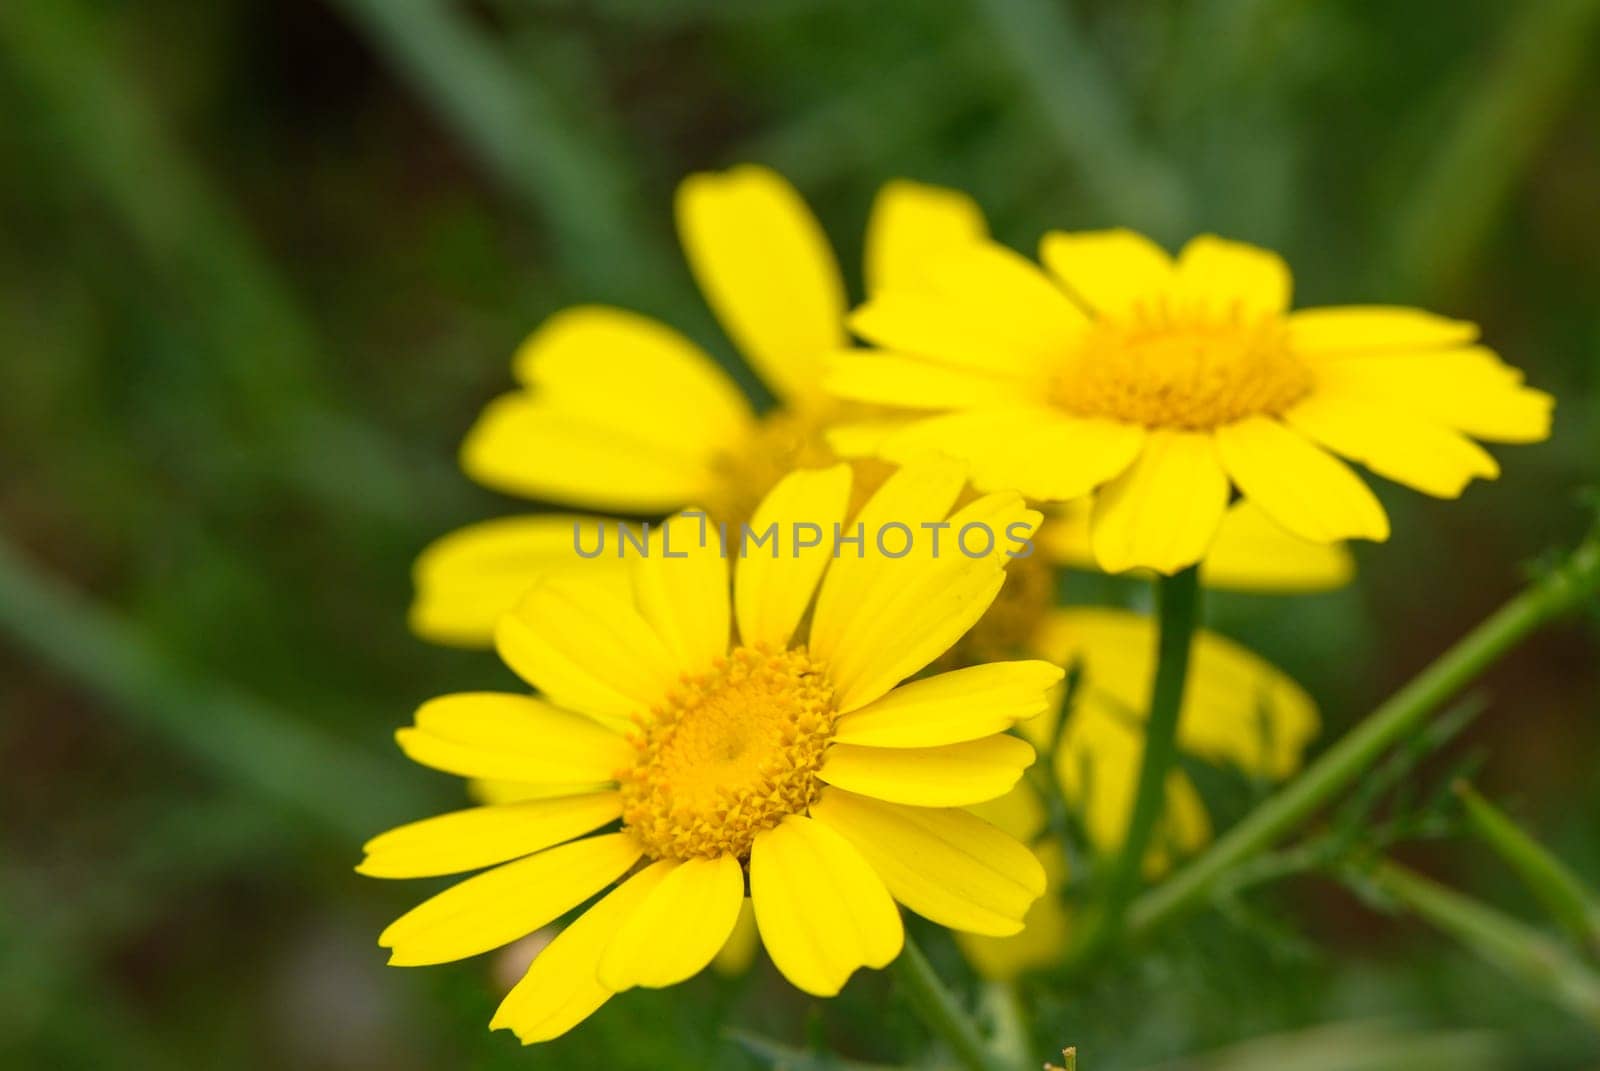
{"x": 527, "y": 446}
{"x": 771, "y": 593}
{"x": 1392, "y": 443}
{"x": 512, "y": 738}
{"x": 911, "y": 223}
{"x": 949, "y": 776}
{"x": 923, "y": 491}
{"x": 1237, "y": 708}
{"x": 1043, "y": 940}
{"x": 1469, "y": 389}
{"x": 489, "y": 791}
{"x": 914, "y": 383}
{"x": 1252, "y": 552}
{"x": 562, "y": 988}
{"x": 860, "y": 439}
{"x": 467, "y": 579}
{"x": 677, "y": 929}
{"x": 1163, "y": 512}
{"x": 765, "y": 268}
{"x": 1019, "y": 812}
{"x": 1368, "y": 328}
{"x": 633, "y": 372}
{"x": 944, "y": 330}
{"x": 483, "y": 836}
{"x": 1231, "y": 277}
{"x": 945, "y": 864}
{"x": 739, "y": 951}
{"x": 821, "y": 910}
{"x": 1045, "y": 455}
{"x": 963, "y": 704}
{"x": 1108, "y": 271}
{"x": 586, "y": 649}
{"x": 1299, "y": 485}
{"x": 508, "y": 902}
{"x": 681, "y": 589}
{"x": 1022, "y": 303}
{"x": 908, "y": 611}
{"x": 1098, "y": 768}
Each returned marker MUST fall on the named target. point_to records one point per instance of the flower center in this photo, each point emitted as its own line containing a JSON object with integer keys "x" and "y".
{"x": 728, "y": 754}
{"x": 1164, "y": 368}
{"x": 783, "y": 441}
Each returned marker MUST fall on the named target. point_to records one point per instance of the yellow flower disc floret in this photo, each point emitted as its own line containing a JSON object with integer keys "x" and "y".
{"x": 781, "y": 442}
{"x": 728, "y": 754}
{"x": 1163, "y": 366}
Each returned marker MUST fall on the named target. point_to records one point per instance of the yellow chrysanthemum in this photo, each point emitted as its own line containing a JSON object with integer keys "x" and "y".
{"x": 1159, "y": 385}
{"x": 620, "y": 413}
{"x": 1238, "y": 711}
{"x": 737, "y": 733}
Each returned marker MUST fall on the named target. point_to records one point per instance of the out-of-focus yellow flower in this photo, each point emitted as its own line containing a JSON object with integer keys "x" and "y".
{"x": 1160, "y": 385}
{"x": 1251, "y": 552}
{"x": 1238, "y": 711}
{"x": 619, "y": 413}
{"x": 748, "y": 732}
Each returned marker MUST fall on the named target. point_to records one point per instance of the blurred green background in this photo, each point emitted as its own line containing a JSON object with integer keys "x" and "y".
{"x": 263, "y": 262}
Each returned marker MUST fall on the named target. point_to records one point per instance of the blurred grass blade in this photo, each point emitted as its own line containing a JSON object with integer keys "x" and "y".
{"x": 239, "y": 740}
{"x": 1354, "y": 1046}
{"x": 261, "y": 354}
{"x": 873, "y": 125}
{"x": 1501, "y": 123}
{"x": 783, "y": 1057}
{"x": 1092, "y": 123}
{"x": 514, "y": 124}
{"x": 1569, "y": 902}
{"x": 1522, "y": 952}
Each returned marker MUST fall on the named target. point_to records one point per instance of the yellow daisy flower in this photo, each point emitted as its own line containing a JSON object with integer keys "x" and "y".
{"x": 1160, "y": 385}
{"x": 1238, "y": 711}
{"x": 746, "y": 736}
{"x": 620, "y": 413}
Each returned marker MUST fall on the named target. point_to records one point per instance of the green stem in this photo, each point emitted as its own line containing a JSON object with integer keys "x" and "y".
{"x": 1178, "y": 599}
{"x": 1556, "y": 593}
{"x": 1552, "y": 882}
{"x": 940, "y": 1011}
{"x": 1515, "y": 948}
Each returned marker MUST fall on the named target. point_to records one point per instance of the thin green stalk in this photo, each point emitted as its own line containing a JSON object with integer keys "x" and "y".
{"x": 940, "y": 1011}
{"x": 1178, "y": 599}
{"x": 1003, "y": 1012}
{"x": 1564, "y": 897}
{"x": 1517, "y": 949}
{"x": 1556, "y": 593}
